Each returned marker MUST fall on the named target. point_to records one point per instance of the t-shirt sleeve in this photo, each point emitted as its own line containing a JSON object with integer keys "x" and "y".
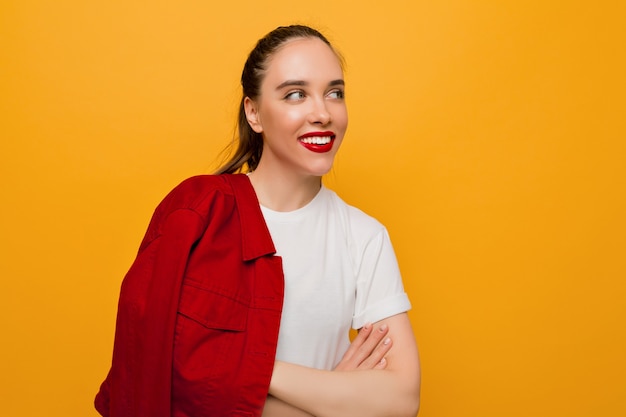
{"x": 379, "y": 290}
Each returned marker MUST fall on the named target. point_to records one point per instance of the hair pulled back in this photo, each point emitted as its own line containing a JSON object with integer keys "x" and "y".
{"x": 250, "y": 143}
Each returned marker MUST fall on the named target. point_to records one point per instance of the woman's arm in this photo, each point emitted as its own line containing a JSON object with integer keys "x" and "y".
{"x": 393, "y": 391}
{"x": 367, "y": 351}
{"x": 277, "y": 408}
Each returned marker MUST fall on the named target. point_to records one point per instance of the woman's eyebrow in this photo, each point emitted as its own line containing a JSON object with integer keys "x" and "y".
{"x": 291, "y": 83}
{"x": 301, "y": 83}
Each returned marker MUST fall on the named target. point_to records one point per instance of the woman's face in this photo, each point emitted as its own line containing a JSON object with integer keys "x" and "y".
{"x": 301, "y": 110}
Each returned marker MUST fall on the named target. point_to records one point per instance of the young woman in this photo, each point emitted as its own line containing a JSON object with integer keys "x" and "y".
{"x": 245, "y": 287}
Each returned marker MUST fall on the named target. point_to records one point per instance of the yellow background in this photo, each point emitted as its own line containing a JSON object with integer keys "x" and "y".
{"x": 489, "y": 136}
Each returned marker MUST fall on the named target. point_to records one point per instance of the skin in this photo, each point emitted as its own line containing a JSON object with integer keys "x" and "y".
{"x": 302, "y": 92}
{"x": 288, "y": 175}
{"x": 392, "y": 391}
{"x": 367, "y": 351}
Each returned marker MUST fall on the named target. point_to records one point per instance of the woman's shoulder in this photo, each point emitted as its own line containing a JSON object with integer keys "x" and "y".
{"x": 198, "y": 192}
{"x": 199, "y": 184}
{"x": 358, "y": 220}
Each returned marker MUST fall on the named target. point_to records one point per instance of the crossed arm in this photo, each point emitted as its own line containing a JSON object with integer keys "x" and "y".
{"x": 371, "y": 380}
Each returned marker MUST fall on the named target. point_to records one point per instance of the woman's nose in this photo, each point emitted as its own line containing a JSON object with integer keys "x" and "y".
{"x": 319, "y": 113}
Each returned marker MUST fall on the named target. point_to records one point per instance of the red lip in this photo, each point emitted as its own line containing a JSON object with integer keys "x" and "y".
{"x": 318, "y": 134}
{"x": 314, "y": 147}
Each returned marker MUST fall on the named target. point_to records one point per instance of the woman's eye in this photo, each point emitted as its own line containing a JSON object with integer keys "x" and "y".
{"x": 295, "y": 95}
{"x": 336, "y": 94}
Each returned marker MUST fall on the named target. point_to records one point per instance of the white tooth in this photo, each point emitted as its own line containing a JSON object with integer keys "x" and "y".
{"x": 317, "y": 140}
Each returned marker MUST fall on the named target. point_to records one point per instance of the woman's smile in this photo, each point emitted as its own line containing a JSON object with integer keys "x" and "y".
{"x": 319, "y": 142}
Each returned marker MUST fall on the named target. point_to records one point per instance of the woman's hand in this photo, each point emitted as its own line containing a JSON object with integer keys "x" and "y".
{"x": 367, "y": 350}
{"x": 371, "y": 391}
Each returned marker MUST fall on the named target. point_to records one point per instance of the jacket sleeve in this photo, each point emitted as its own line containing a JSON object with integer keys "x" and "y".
{"x": 139, "y": 381}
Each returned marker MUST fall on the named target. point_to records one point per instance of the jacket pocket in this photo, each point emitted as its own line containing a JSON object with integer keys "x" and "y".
{"x": 209, "y": 347}
{"x": 210, "y": 325}
{"x": 213, "y": 309}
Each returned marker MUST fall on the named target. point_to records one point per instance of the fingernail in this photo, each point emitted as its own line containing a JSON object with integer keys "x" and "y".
{"x": 386, "y": 341}
{"x": 382, "y": 361}
{"x": 383, "y": 328}
{"x": 367, "y": 326}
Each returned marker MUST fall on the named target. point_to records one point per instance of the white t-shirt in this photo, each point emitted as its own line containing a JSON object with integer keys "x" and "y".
{"x": 340, "y": 272}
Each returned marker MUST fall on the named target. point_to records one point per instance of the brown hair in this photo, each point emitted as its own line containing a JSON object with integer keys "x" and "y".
{"x": 250, "y": 143}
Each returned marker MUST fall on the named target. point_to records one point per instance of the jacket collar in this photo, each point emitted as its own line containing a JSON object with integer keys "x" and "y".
{"x": 255, "y": 236}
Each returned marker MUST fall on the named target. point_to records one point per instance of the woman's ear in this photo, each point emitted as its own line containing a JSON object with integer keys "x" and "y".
{"x": 252, "y": 114}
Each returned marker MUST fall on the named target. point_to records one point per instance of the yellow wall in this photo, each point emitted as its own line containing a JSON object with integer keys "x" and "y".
{"x": 489, "y": 136}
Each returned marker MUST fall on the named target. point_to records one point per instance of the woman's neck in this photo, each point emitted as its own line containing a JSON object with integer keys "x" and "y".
{"x": 284, "y": 192}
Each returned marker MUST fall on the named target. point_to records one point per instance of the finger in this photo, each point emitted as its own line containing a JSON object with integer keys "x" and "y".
{"x": 347, "y": 361}
{"x": 369, "y": 353}
{"x": 358, "y": 341}
{"x": 382, "y": 364}
{"x": 373, "y": 361}
{"x": 369, "y": 345}
{"x": 366, "y": 347}
{"x": 361, "y": 337}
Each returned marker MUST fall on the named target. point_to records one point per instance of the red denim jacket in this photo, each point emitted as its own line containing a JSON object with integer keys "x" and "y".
{"x": 199, "y": 309}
